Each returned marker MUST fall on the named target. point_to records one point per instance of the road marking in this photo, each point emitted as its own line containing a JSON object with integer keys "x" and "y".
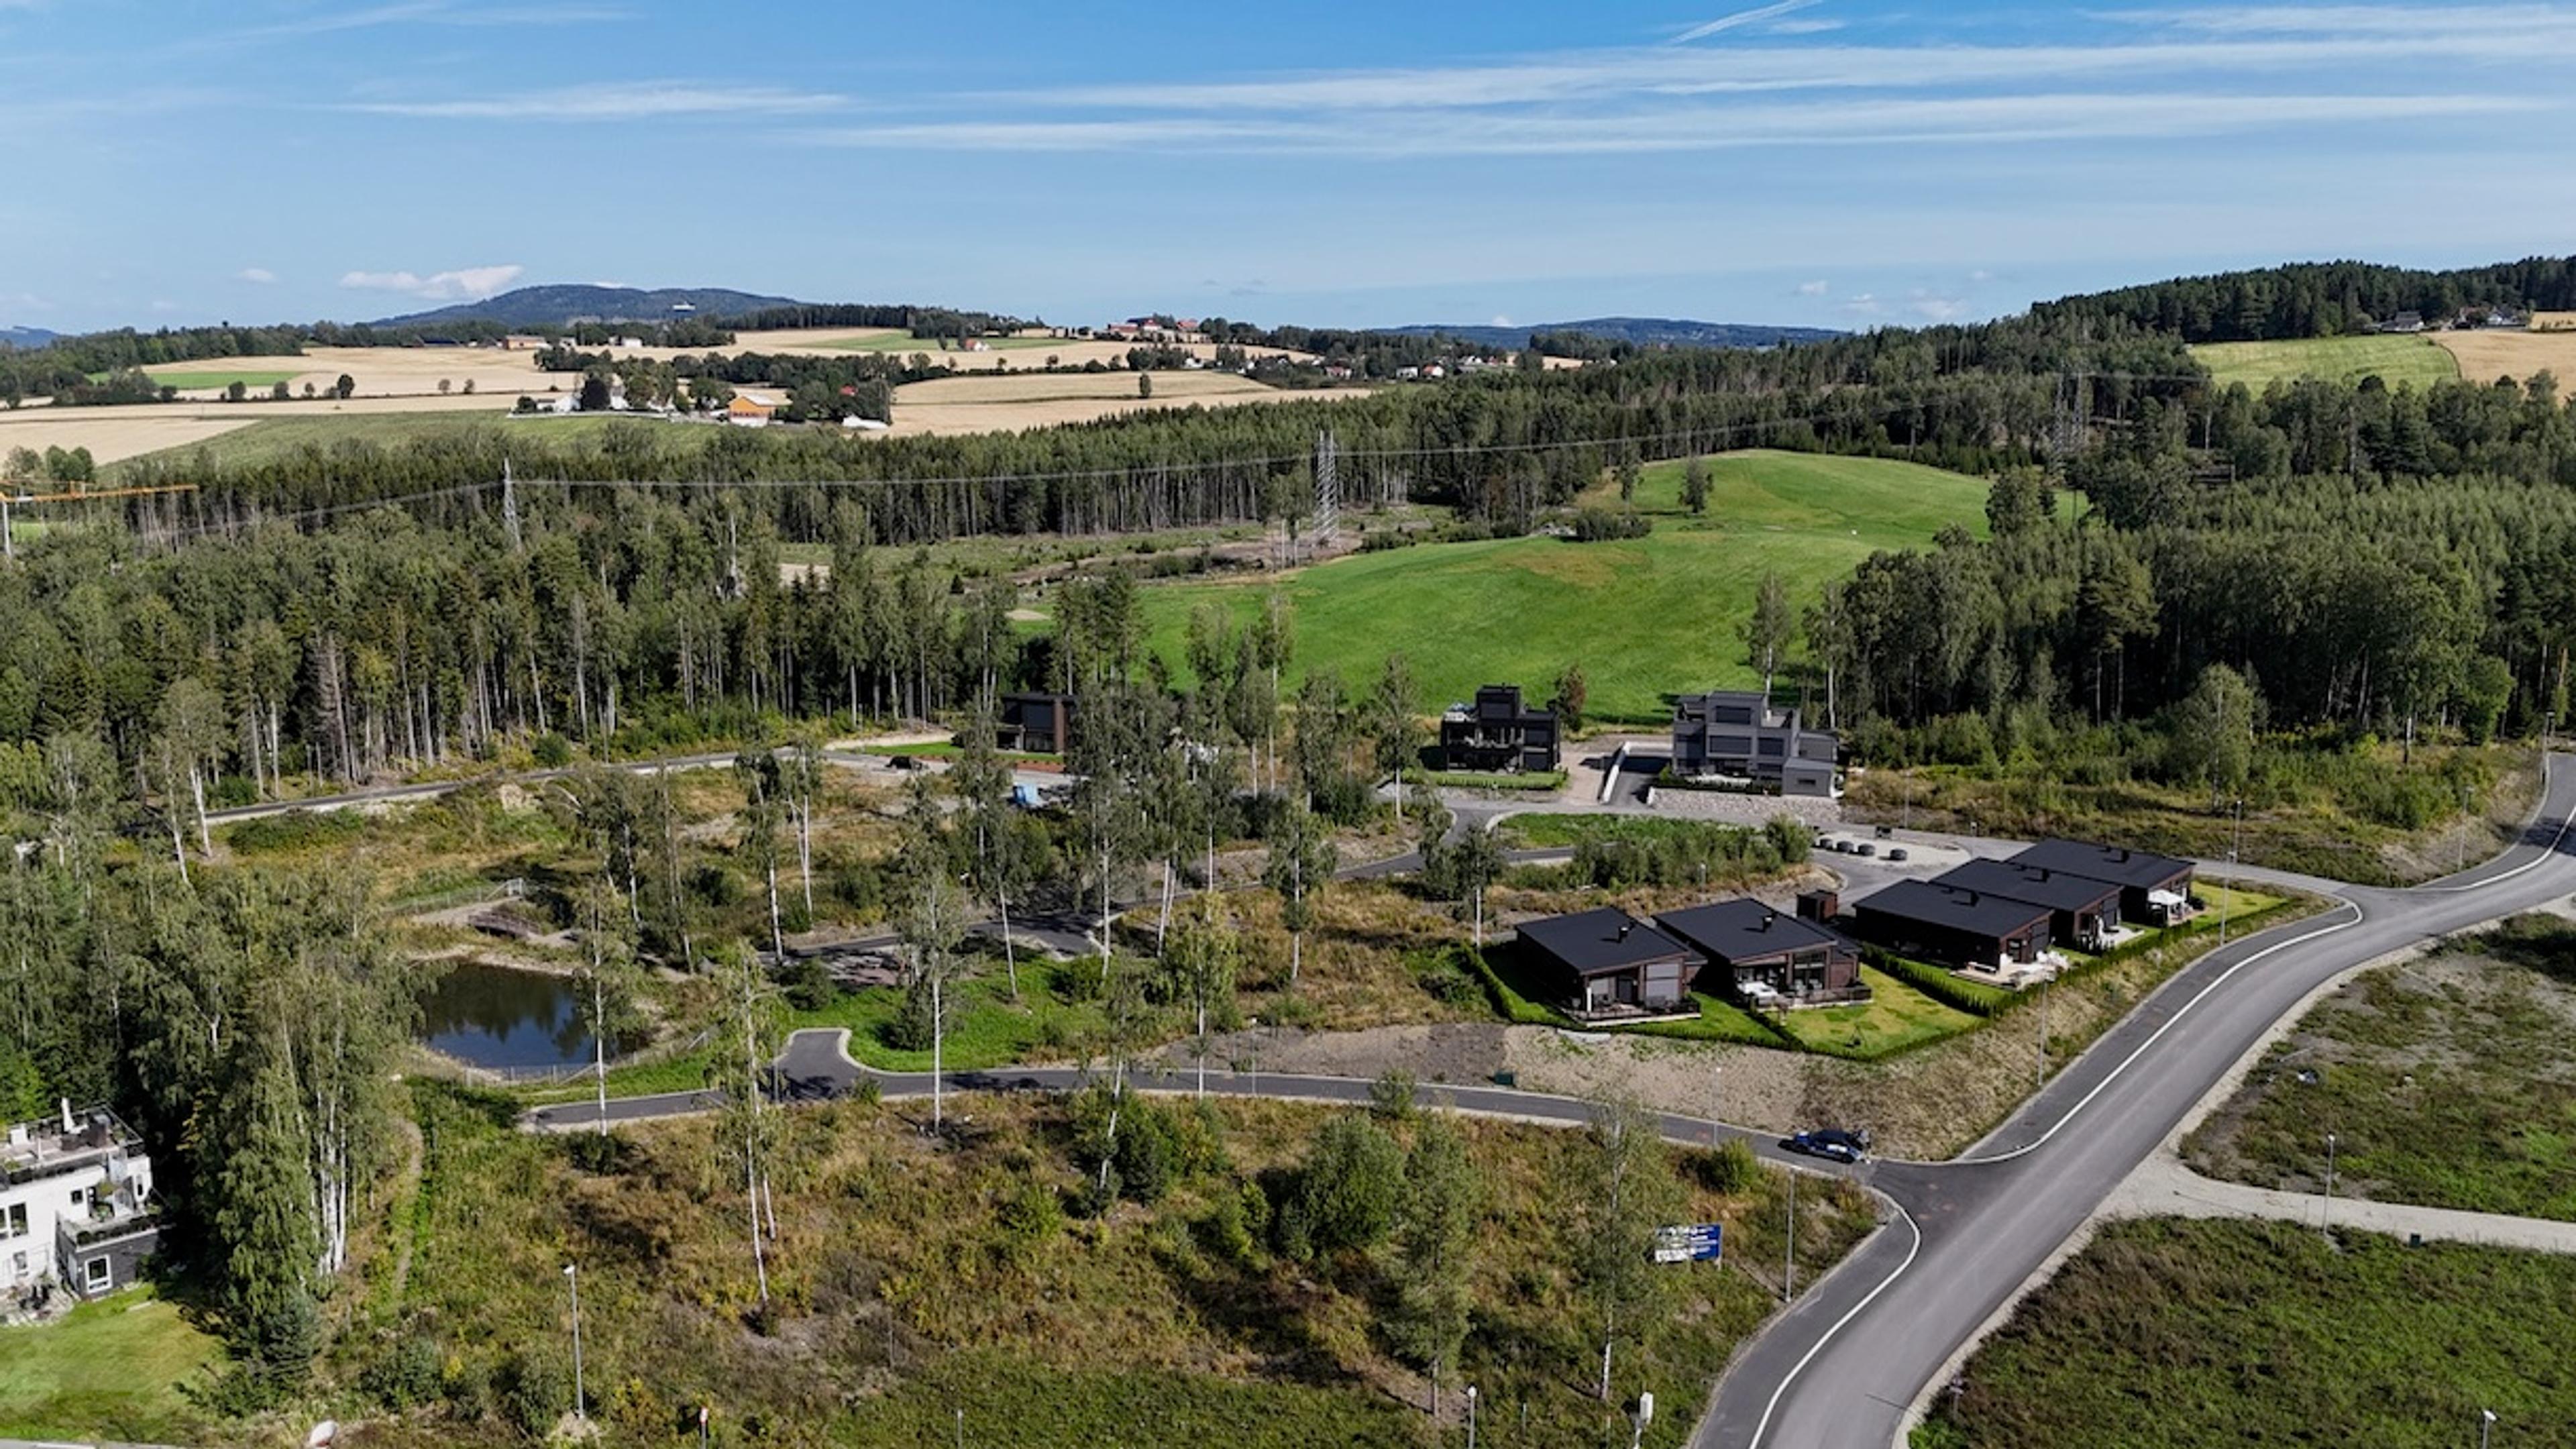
{"x": 1764, "y": 1426}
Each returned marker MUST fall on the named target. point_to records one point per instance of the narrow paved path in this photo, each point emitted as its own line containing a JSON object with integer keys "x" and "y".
{"x": 2163, "y": 1187}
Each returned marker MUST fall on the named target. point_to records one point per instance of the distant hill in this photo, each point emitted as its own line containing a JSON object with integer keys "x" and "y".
{"x": 1642, "y": 331}
{"x": 25, "y": 336}
{"x": 562, "y": 306}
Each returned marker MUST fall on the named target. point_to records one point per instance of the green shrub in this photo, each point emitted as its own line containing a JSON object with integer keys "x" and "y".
{"x": 535, "y": 1392}
{"x": 1344, "y": 1196}
{"x": 1391, "y": 1096}
{"x": 407, "y": 1375}
{"x": 551, "y": 751}
{"x": 809, "y": 985}
{"x": 1731, "y": 1168}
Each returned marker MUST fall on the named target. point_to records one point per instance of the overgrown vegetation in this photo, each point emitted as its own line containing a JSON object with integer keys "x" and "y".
{"x": 1251, "y": 1272}
{"x": 2173, "y": 1334}
{"x": 2449, "y": 1082}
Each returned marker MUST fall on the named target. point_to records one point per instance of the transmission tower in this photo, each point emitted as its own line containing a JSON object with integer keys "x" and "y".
{"x": 1328, "y": 488}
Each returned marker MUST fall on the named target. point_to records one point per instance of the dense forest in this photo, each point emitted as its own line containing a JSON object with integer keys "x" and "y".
{"x": 2320, "y": 299}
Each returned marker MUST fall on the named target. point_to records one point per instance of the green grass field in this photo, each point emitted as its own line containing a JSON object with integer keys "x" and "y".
{"x": 1896, "y": 1017}
{"x": 2168, "y": 1334}
{"x": 1647, "y": 618}
{"x": 282, "y": 437}
{"x": 110, "y": 1370}
{"x": 906, "y": 344}
{"x": 2395, "y": 359}
{"x": 191, "y": 379}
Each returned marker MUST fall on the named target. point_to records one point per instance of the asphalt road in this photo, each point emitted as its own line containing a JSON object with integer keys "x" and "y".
{"x": 1841, "y": 1367}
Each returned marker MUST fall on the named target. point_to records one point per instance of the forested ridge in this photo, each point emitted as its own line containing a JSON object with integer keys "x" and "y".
{"x": 2320, "y": 299}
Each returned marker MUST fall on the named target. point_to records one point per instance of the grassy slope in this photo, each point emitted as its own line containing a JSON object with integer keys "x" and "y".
{"x": 2166, "y": 1334}
{"x": 110, "y": 1370}
{"x": 289, "y": 432}
{"x": 2451, "y": 1083}
{"x": 1647, "y": 618}
{"x": 2396, "y": 359}
{"x": 1142, "y": 1328}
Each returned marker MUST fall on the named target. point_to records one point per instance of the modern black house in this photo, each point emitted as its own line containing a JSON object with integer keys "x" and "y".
{"x": 2153, "y": 888}
{"x": 2082, "y": 911}
{"x": 1737, "y": 733}
{"x": 1606, "y": 962}
{"x": 1955, "y": 926}
{"x": 1765, "y": 956}
{"x": 1039, "y": 724}
{"x": 1498, "y": 733}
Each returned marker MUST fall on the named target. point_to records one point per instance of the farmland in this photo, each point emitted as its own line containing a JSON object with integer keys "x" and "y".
{"x": 897, "y": 340}
{"x": 1644, "y": 616}
{"x": 2393, "y": 359}
{"x": 277, "y": 432}
{"x": 2163, "y": 1334}
{"x": 989, "y": 404}
{"x": 216, "y": 379}
{"x": 2491, "y": 353}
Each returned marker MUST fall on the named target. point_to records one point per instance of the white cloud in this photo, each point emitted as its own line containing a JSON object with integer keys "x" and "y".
{"x": 1815, "y": 288}
{"x": 1935, "y": 308}
{"x": 465, "y": 283}
{"x": 1984, "y": 119}
{"x": 1812, "y": 26}
{"x": 1502, "y": 321}
{"x": 1740, "y": 19}
{"x": 261, "y": 275}
{"x": 1981, "y": 275}
{"x": 425, "y": 12}
{"x": 1862, "y": 304}
{"x": 616, "y": 101}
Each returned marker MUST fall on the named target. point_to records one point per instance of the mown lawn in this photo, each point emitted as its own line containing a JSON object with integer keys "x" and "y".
{"x": 111, "y": 1370}
{"x": 2178, "y": 1334}
{"x": 2394, "y": 359}
{"x": 1895, "y": 1017}
{"x": 1647, "y": 618}
{"x": 2449, "y": 1082}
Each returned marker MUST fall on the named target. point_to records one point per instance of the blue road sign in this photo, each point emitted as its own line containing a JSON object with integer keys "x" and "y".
{"x": 1690, "y": 1243}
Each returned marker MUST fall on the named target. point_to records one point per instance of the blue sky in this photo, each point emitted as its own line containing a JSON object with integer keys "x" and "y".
{"x": 1832, "y": 162}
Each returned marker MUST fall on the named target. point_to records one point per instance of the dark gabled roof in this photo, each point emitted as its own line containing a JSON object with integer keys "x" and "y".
{"x": 2117, "y": 863}
{"x": 1743, "y": 930}
{"x": 1591, "y": 942}
{"x": 1959, "y": 910}
{"x": 2056, "y": 889}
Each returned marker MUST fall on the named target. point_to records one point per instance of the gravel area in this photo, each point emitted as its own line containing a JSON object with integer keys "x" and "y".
{"x": 1735, "y": 809}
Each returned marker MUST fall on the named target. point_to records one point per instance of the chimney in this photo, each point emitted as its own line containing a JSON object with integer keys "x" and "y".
{"x": 1624, "y": 928}
{"x": 68, "y": 1128}
{"x": 1768, "y": 917}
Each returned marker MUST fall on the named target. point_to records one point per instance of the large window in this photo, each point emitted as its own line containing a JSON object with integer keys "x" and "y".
{"x": 13, "y": 1223}
{"x": 97, "y": 1273}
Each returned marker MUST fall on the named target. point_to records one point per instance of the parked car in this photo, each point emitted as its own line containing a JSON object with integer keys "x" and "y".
{"x": 1830, "y": 1143}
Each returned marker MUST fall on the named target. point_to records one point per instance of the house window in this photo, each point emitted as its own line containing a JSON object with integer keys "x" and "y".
{"x": 18, "y": 1266}
{"x": 97, "y": 1274}
{"x": 79, "y": 1198}
{"x": 13, "y": 1224}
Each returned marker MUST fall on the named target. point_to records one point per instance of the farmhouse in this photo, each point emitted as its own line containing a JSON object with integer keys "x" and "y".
{"x": 1036, "y": 723}
{"x": 2082, "y": 911}
{"x": 744, "y": 412}
{"x": 1951, "y": 924}
{"x": 1606, "y": 963}
{"x": 1736, "y": 732}
{"x": 2404, "y": 322}
{"x": 76, "y": 1205}
{"x": 2153, "y": 888}
{"x": 1498, "y": 732}
{"x": 1765, "y": 957}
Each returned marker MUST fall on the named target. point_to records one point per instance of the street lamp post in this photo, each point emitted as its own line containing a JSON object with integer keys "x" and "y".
{"x": 572, "y": 1281}
{"x": 2486, "y": 1426}
{"x": 2325, "y": 1208}
{"x": 1645, "y": 1416}
{"x": 1789, "y": 1254}
{"x": 1471, "y": 1416}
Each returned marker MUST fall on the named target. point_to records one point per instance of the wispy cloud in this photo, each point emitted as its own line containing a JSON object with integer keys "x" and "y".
{"x": 422, "y": 12}
{"x": 1993, "y": 119}
{"x": 2409, "y": 20}
{"x": 1815, "y": 288}
{"x": 261, "y": 275}
{"x": 1741, "y": 19}
{"x": 616, "y": 101}
{"x": 462, "y": 284}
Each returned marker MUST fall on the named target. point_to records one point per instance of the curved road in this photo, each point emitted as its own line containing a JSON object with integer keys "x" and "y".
{"x": 1841, "y": 1367}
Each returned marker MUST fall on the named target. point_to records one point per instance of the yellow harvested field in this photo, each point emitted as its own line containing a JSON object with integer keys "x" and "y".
{"x": 951, "y": 405}
{"x": 134, "y": 432}
{"x": 2489, "y": 353}
{"x": 1020, "y": 357}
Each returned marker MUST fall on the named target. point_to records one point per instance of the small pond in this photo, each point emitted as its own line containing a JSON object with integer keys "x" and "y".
{"x": 491, "y": 1016}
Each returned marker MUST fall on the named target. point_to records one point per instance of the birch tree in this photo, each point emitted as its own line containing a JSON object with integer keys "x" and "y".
{"x": 1620, "y": 1188}
{"x": 1301, "y": 864}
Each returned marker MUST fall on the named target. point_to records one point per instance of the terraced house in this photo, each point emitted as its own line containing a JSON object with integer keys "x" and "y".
{"x": 1737, "y": 734}
{"x": 76, "y": 1206}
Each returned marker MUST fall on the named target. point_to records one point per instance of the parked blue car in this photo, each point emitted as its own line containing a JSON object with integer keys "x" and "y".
{"x": 1831, "y": 1143}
